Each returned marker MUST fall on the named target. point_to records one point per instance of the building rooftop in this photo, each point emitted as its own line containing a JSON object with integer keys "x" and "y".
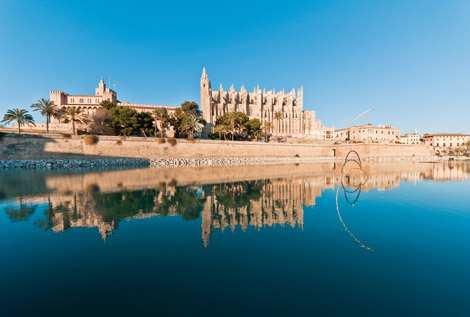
{"x": 146, "y": 106}
{"x": 445, "y": 134}
{"x": 369, "y": 125}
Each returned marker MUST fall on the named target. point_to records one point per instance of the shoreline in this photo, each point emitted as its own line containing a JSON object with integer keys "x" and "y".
{"x": 178, "y": 162}
{"x": 72, "y": 163}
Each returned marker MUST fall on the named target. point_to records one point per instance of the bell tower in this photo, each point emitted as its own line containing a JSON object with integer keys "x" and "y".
{"x": 205, "y": 87}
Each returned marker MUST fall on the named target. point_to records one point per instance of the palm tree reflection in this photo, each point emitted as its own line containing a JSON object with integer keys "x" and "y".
{"x": 20, "y": 213}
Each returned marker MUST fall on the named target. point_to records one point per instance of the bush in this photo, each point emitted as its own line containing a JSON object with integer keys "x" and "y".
{"x": 90, "y": 139}
{"x": 92, "y": 188}
{"x": 172, "y": 141}
{"x": 119, "y": 142}
{"x": 161, "y": 140}
{"x": 66, "y": 135}
{"x": 191, "y": 139}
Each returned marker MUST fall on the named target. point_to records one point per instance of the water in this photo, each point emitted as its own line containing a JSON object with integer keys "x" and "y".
{"x": 272, "y": 240}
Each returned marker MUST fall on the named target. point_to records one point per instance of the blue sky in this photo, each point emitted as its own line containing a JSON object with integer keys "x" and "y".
{"x": 409, "y": 60}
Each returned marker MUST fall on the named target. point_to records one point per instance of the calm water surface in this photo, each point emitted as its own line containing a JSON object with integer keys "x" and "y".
{"x": 384, "y": 240}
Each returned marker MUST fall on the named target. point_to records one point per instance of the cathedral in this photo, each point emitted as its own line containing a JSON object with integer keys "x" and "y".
{"x": 280, "y": 113}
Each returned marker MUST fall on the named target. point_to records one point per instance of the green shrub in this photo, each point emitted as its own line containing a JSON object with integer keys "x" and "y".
{"x": 191, "y": 139}
{"x": 172, "y": 141}
{"x": 90, "y": 139}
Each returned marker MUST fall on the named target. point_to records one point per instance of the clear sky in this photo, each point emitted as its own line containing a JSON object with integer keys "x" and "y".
{"x": 409, "y": 60}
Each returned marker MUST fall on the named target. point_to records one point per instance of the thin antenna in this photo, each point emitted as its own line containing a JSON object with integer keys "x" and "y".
{"x": 362, "y": 114}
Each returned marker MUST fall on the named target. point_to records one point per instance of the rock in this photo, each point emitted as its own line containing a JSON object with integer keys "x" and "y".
{"x": 72, "y": 163}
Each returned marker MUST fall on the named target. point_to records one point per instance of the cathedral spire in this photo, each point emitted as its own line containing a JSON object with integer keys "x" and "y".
{"x": 204, "y": 73}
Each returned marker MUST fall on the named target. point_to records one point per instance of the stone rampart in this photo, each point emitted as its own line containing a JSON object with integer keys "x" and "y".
{"x": 38, "y": 147}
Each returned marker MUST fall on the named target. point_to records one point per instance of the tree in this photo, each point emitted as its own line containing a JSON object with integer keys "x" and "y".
{"x": 187, "y": 120}
{"x": 108, "y": 105}
{"x": 74, "y": 115}
{"x": 161, "y": 118}
{"x": 127, "y": 121}
{"x": 100, "y": 122}
{"x": 233, "y": 123}
{"x": 20, "y": 116}
{"x": 123, "y": 120}
{"x": 222, "y": 130}
{"x": 253, "y": 128}
{"x": 144, "y": 124}
{"x": 190, "y": 107}
{"x": 189, "y": 126}
{"x": 47, "y": 109}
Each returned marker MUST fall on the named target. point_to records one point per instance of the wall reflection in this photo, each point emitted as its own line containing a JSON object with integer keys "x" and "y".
{"x": 222, "y": 198}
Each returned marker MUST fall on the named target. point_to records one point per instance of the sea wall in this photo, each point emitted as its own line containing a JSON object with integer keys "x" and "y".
{"x": 37, "y": 147}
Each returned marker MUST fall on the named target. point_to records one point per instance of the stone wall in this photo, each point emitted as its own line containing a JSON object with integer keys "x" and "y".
{"x": 36, "y": 147}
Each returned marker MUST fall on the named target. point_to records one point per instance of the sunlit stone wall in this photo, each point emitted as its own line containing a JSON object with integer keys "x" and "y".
{"x": 41, "y": 147}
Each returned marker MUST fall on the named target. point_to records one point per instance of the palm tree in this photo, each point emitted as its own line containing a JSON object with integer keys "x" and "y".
{"x": 74, "y": 115}
{"x": 47, "y": 109}
{"x": 161, "y": 116}
{"x": 278, "y": 117}
{"x": 20, "y": 116}
{"x": 190, "y": 125}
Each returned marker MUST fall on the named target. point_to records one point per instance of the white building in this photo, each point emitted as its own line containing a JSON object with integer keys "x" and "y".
{"x": 446, "y": 141}
{"x": 410, "y": 138}
{"x": 368, "y": 133}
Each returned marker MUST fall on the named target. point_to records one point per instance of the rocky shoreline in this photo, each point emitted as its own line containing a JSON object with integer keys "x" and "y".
{"x": 73, "y": 163}
{"x": 231, "y": 161}
{"x": 50, "y": 164}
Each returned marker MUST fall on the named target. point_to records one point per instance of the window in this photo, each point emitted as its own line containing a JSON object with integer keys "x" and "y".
{"x": 80, "y": 100}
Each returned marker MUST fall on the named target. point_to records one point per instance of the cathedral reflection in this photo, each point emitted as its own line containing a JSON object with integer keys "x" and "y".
{"x": 104, "y": 200}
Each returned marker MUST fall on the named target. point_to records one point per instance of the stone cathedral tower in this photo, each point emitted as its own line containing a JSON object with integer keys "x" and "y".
{"x": 206, "y": 97}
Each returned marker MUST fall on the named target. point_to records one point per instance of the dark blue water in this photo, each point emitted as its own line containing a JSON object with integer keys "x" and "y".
{"x": 260, "y": 247}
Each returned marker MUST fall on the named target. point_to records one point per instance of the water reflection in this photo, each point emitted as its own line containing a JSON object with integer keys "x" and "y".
{"x": 223, "y": 199}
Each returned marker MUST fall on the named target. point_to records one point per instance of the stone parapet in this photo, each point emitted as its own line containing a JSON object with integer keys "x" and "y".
{"x": 45, "y": 147}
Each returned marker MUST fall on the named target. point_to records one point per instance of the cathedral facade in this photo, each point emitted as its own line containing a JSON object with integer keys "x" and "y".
{"x": 281, "y": 113}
